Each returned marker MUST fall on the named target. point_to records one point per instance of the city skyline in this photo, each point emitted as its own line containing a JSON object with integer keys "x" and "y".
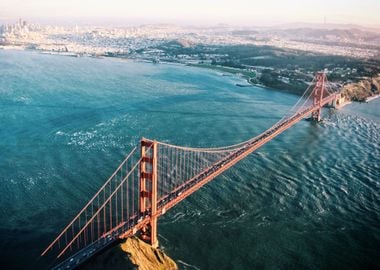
{"x": 238, "y": 12}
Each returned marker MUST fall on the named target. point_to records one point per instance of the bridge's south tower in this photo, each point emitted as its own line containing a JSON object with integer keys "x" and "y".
{"x": 148, "y": 189}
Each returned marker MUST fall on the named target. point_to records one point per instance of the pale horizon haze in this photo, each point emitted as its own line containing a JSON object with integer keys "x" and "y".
{"x": 236, "y": 12}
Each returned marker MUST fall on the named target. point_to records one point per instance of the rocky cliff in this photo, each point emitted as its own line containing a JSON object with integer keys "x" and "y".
{"x": 362, "y": 90}
{"x": 146, "y": 257}
{"x": 133, "y": 254}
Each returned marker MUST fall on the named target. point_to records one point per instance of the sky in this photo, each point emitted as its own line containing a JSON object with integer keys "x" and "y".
{"x": 202, "y": 12}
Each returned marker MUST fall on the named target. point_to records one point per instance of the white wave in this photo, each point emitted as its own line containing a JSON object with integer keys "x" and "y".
{"x": 188, "y": 265}
{"x": 344, "y": 189}
{"x": 178, "y": 217}
{"x": 23, "y": 99}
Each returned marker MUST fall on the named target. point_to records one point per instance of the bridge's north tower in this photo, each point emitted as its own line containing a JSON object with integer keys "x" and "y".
{"x": 318, "y": 93}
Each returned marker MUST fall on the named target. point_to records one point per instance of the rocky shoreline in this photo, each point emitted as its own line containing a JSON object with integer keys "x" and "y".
{"x": 362, "y": 91}
{"x": 372, "y": 98}
{"x": 132, "y": 254}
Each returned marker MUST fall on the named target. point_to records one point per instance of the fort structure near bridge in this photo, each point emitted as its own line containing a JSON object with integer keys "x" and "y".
{"x": 151, "y": 181}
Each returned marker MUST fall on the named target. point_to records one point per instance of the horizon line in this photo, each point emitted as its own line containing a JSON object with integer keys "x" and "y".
{"x": 116, "y": 21}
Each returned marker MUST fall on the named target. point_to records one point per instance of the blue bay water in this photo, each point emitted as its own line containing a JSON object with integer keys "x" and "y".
{"x": 307, "y": 200}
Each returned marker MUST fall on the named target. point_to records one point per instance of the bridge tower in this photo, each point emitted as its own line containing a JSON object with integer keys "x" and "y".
{"x": 148, "y": 190}
{"x": 318, "y": 92}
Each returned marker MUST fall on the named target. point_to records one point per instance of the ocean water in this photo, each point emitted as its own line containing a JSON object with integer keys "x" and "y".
{"x": 307, "y": 200}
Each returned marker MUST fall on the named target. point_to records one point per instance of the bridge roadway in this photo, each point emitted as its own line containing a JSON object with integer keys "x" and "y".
{"x": 130, "y": 227}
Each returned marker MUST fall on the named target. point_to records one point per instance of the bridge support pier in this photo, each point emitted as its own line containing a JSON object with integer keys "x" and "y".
{"x": 148, "y": 190}
{"x": 316, "y": 116}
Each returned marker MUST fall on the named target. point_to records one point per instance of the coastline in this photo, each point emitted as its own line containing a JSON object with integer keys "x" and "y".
{"x": 242, "y": 74}
{"x": 223, "y": 71}
{"x": 343, "y": 105}
{"x": 372, "y": 98}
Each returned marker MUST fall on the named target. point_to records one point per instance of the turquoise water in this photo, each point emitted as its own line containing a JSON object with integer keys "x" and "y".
{"x": 307, "y": 200}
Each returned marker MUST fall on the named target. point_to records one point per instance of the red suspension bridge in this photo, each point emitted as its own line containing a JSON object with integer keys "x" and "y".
{"x": 151, "y": 181}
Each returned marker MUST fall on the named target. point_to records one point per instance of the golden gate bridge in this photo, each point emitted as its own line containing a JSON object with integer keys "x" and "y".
{"x": 160, "y": 175}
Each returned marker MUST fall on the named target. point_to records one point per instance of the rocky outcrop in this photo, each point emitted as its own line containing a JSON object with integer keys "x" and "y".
{"x": 362, "y": 90}
{"x": 145, "y": 257}
{"x": 133, "y": 254}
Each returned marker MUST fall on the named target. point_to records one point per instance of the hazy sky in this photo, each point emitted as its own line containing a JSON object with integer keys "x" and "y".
{"x": 246, "y": 12}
